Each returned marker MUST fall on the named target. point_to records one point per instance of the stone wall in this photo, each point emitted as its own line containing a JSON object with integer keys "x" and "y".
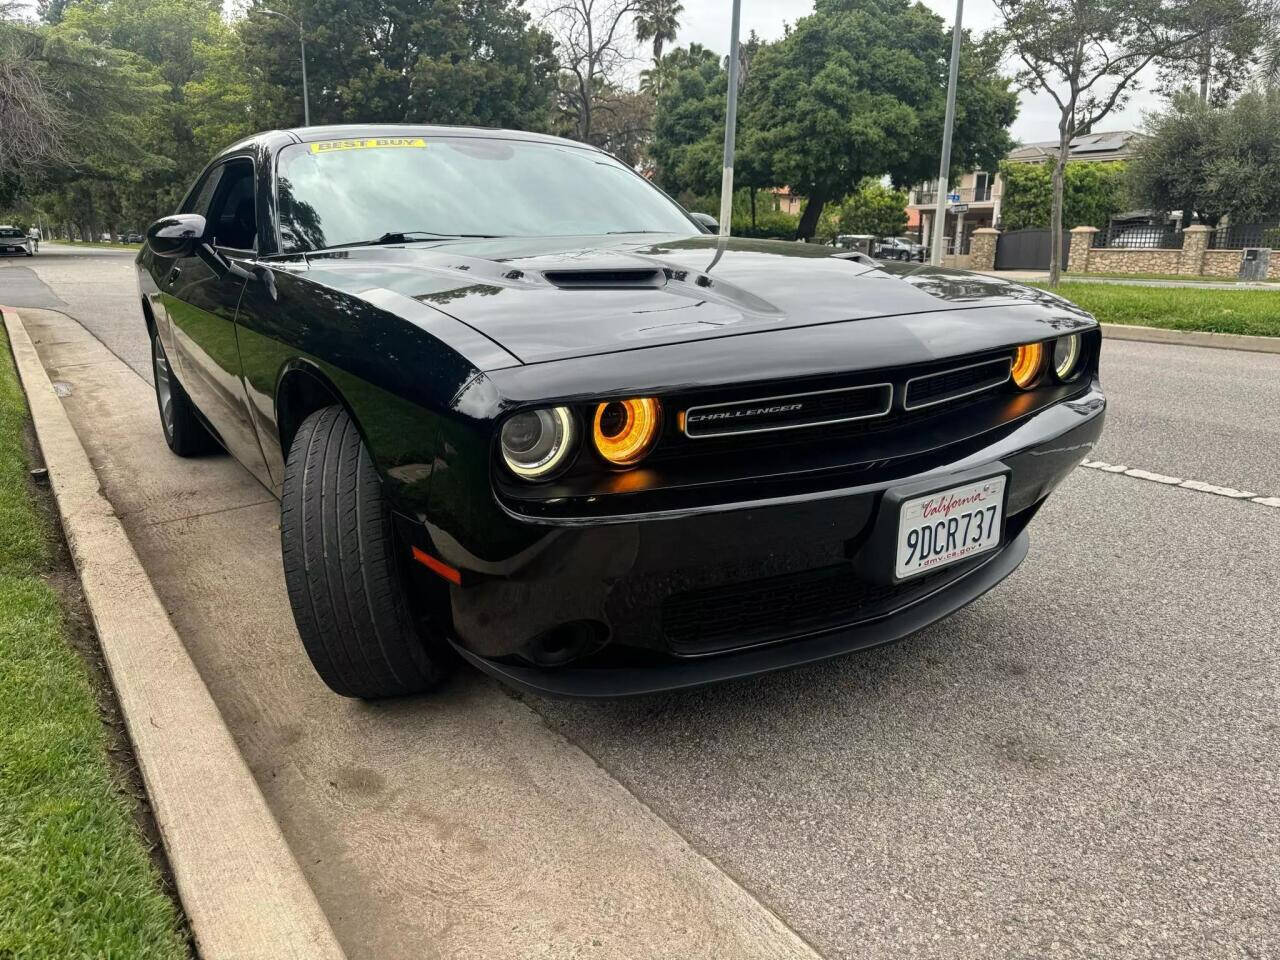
{"x": 1194, "y": 259}
{"x": 1223, "y": 263}
{"x": 1122, "y": 260}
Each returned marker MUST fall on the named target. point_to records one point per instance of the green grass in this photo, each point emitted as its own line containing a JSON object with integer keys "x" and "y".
{"x": 1181, "y": 277}
{"x": 1253, "y": 312}
{"x": 96, "y": 243}
{"x": 76, "y": 879}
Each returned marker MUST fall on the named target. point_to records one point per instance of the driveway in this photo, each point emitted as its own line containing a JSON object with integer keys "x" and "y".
{"x": 1080, "y": 764}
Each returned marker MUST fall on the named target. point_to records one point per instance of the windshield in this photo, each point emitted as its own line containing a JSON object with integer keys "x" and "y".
{"x": 351, "y": 191}
{"x": 11, "y": 232}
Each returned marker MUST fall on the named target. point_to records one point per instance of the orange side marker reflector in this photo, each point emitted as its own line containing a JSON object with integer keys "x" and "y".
{"x": 438, "y": 567}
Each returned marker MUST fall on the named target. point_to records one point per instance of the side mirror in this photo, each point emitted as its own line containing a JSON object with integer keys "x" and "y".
{"x": 707, "y": 222}
{"x": 176, "y": 236}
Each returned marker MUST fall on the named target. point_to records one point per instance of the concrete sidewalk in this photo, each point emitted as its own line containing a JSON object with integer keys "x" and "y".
{"x": 454, "y": 825}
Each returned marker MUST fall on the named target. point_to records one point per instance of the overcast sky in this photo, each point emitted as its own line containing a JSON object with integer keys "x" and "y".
{"x": 707, "y": 22}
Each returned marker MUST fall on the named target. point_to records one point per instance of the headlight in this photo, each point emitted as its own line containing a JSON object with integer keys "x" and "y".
{"x": 537, "y": 443}
{"x": 1066, "y": 356}
{"x": 1027, "y": 364}
{"x": 625, "y": 430}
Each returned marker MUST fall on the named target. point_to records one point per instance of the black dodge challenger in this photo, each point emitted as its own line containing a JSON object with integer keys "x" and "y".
{"x": 520, "y": 408}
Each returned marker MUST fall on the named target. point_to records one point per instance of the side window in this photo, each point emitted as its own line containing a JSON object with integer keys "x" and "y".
{"x": 233, "y": 216}
{"x": 199, "y": 199}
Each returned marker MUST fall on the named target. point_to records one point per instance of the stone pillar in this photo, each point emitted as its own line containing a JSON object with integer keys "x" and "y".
{"x": 982, "y": 250}
{"x": 1081, "y": 244}
{"x": 1195, "y": 241}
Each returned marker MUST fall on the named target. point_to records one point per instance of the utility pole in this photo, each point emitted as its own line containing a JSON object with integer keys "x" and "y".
{"x": 730, "y": 127}
{"x": 302, "y": 43}
{"x": 944, "y": 166}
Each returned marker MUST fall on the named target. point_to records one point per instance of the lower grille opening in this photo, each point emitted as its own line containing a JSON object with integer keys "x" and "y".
{"x": 749, "y": 613}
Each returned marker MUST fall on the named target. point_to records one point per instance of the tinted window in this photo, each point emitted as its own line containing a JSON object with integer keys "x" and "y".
{"x": 199, "y": 199}
{"x": 347, "y": 191}
{"x": 232, "y": 220}
{"x": 10, "y": 232}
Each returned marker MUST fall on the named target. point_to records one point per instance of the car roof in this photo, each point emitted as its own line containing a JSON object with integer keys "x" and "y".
{"x": 347, "y": 131}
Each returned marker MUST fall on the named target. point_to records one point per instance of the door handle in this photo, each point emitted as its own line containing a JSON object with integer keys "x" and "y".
{"x": 174, "y": 274}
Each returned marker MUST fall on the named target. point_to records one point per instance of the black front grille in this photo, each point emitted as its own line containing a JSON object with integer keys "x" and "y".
{"x": 945, "y": 385}
{"x": 789, "y": 412}
{"x": 748, "y": 613}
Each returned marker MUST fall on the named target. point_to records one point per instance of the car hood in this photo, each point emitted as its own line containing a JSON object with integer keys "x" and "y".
{"x": 546, "y": 299}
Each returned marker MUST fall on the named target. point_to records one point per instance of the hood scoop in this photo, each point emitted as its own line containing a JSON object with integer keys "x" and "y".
{"x": 628, "y": 279}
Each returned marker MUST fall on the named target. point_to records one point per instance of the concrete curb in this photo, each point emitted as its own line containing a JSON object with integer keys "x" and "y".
{"x": 241, "y": 887}
{"x": 1192, "y": 338}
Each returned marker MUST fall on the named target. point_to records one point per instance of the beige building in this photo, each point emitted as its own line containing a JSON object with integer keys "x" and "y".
{"x": 980, "y": 191}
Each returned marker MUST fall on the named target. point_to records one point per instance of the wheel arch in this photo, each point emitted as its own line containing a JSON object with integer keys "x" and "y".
{"x": 301, "y": 389}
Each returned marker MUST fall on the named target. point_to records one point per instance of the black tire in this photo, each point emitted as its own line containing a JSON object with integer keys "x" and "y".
{"x": 340, "y": 568}
{"x": 183, "y": 431}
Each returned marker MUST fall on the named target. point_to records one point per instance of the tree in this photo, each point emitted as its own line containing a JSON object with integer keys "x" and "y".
{"x": 658, "y": 21}
{"x": 1087, "y": 55}
{"x": 1093, "y": 194}
{"x": 401, "y": 61}
{"x": 592, "y": 39}
{"x": 875, "y": 209}
{"x": 1210, "y": 163}
{"x": 690, "y": 110}
{"x": 1222, "y": 62}
{"x": 856, "y": 90}
{"x": 164, "y": 37}
{"x": 624, "y": 125}
{"x": 33, "y": 121}
{"x": 94, "y": 107}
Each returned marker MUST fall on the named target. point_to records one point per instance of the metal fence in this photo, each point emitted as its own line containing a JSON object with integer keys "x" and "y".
{"x": 1139, "y": 236}
{"x": 1238, "y": 236}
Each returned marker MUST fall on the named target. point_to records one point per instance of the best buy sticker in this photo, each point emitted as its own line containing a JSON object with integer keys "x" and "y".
{"x": 327, "y": 146}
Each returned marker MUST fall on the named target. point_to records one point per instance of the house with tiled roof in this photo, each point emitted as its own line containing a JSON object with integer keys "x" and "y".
{"x": 980, "y": 191}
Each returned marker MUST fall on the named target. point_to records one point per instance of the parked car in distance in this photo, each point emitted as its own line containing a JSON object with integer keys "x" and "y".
{"x": 857, "y": 242}
{"x": 134, "y": 238}
{"x": 900, "y": 248}
{"x": 14, "y": 241}
{"x": 520, "y": 410}
{"x": 1141, "y": 237}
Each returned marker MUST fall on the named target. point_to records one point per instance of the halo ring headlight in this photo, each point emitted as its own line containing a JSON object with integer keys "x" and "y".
{"x": 1066, "y": 356}
{"x": 537, "y": 443}
{"x": 1027, "y": 364}
{"x": 624, "y": 431}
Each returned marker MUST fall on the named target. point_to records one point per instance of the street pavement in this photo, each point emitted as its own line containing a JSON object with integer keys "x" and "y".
{"x": 1080, "y": 764}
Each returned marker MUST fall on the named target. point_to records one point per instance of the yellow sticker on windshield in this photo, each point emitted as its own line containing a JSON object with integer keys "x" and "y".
{"x": 327, "y": 146}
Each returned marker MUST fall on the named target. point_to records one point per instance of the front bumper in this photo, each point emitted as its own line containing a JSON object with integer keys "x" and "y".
{"x": 610, "y": 602}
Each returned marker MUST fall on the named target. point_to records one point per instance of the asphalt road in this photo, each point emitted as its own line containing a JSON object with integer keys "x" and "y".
{"x": 1083, "y": 763}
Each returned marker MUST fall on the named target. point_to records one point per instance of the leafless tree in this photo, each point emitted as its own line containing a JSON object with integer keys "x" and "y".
{"x": 32, "y": 122}
{"x": 594, "y": 42}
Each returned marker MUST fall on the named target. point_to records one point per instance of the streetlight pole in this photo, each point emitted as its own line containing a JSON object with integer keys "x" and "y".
{"x": 944, "y": 166}
{"x": 302, "y": 43}
{"x": 730, "y": 126}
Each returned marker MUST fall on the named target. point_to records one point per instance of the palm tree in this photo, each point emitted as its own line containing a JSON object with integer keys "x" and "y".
{"x": 659, "y": 21}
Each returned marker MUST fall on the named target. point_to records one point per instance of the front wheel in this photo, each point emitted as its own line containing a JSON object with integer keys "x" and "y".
{"x": 341, "y": 571}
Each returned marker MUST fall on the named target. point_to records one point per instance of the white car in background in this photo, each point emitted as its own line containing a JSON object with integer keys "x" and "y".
{"x": 900, "y": 248}
{"x": 13, "y": 241}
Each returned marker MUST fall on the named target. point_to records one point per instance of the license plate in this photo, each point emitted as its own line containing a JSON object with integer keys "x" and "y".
{"x": 948, "y": 526}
